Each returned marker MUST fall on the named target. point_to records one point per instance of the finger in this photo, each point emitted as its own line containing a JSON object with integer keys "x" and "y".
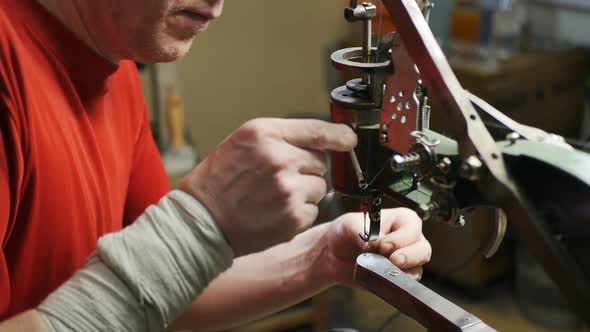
{"x": 306, "y": 214}
{"x": 415, "y": 273}
{"x": 403, "y": 230}
{"x": 312, "y": 188}
{"x": 318, "y": 135}
{"x": 313, "y": 162}
{"x": 297, "y": 218}
{"x": 393, "y": 219}
{"x": 416, "y": 254}
{"x": 306, "y": 161}
{"x": 282, "y": 155}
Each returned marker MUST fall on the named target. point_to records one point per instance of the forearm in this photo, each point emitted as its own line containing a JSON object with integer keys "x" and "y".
{"x": 27, "y": 321}
{"x": 255, "y": 286}
{"x": 142, "y": 278}
{"x": 262, "y": 283}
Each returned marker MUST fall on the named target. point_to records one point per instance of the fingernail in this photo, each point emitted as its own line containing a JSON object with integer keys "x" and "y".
{"x": 400, "y": 260}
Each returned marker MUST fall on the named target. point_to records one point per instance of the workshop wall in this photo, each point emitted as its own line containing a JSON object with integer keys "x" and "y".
{"x": 261, "y": 59}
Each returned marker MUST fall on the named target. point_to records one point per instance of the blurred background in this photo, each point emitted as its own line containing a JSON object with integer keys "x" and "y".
{"x": 527, "y": 58}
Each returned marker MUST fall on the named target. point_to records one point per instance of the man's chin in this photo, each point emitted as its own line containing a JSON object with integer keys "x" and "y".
{"x": 166, "y": 52}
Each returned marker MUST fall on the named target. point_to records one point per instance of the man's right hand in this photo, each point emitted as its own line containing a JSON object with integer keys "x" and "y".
{"x": 263, "y": 183}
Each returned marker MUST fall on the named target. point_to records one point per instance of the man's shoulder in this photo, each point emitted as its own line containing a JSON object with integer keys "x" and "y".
{"x": 11, "y": 20}
{"x": 9, "y": 57}
{"x": 13, "y": 35}
{"x": 5, "y": 9}
{"x": 20, "y": 23}
{"x": 8, "y": 25}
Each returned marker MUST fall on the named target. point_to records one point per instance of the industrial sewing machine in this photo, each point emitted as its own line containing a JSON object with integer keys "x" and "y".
{"x": 537, "y": 181}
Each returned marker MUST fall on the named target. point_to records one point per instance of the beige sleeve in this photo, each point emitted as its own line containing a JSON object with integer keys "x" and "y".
{"x": 143, "y": 277}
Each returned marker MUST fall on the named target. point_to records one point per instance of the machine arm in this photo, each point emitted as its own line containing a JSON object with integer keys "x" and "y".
{"x": 398, "y": 156}
{"x": 497, "y": 183}
{"x": 377, "y": 274}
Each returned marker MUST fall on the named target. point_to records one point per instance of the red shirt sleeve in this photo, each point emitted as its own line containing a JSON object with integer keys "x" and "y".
{"x": 4, "y": 217}
{"x": 148, "y": 182}
{"x": 11, "y": 177}
{"x": 11, "y": 166}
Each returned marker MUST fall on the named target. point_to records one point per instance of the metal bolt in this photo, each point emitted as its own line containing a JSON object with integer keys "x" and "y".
{"x": 460, "y": 222}
{"x": 513, "y": 137}
{"x": 383, "y": 136}
{"x": 406, "y": 162}
{"x": 445, "y": 165}
{"x": 425, "y": 117}
{"x": 471, "y": 168}
{"x": 393, "y": 273}
{"x": 420, "y": 90}
{"x": 356, "y": 12}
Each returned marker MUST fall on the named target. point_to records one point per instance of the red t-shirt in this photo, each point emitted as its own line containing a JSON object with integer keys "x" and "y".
{"x": 77, "y": 159}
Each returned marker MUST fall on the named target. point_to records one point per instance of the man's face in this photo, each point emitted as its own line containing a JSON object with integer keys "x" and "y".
{"x": 147, "y": 31}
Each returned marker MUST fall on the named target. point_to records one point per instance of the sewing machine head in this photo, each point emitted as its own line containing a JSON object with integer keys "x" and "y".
{"x": 396, "y": 152}
{"x": 541, "y": 183}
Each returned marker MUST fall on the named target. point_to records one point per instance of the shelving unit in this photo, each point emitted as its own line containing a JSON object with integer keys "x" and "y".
{"x": 579, "y": 4}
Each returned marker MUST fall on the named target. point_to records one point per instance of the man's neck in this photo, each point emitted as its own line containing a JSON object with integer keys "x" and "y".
{"x": 69, "y": 14}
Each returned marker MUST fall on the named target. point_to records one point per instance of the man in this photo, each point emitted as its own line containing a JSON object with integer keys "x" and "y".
{"x": 77, "y": 162}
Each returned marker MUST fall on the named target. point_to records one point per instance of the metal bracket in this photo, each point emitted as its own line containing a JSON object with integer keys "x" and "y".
{"x": 499, "y": 188}
{"x": 378, "y": 275}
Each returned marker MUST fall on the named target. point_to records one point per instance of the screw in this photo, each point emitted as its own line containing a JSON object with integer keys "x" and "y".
{"x": 471, "y": 168}
{"x": 426, "y": 117}
{"x": 445, "y": 165}
{"x": 383, "y": 135}
{"x": 393, "y": 273}
{"x": 460, "y": 222}
{"x": 406, "y": 162}
{"x": 513, "y": 137}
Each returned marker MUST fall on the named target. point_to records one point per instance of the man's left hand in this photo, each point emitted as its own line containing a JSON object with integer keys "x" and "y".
{"x": 401, "y": 240}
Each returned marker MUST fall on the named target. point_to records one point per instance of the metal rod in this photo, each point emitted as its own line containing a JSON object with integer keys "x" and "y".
{"x": 366, "y": 44}
{"x": 358, "y": 171}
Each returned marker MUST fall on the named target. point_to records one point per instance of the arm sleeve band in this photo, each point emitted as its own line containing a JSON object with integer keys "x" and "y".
{"x": 143, "y": 277}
